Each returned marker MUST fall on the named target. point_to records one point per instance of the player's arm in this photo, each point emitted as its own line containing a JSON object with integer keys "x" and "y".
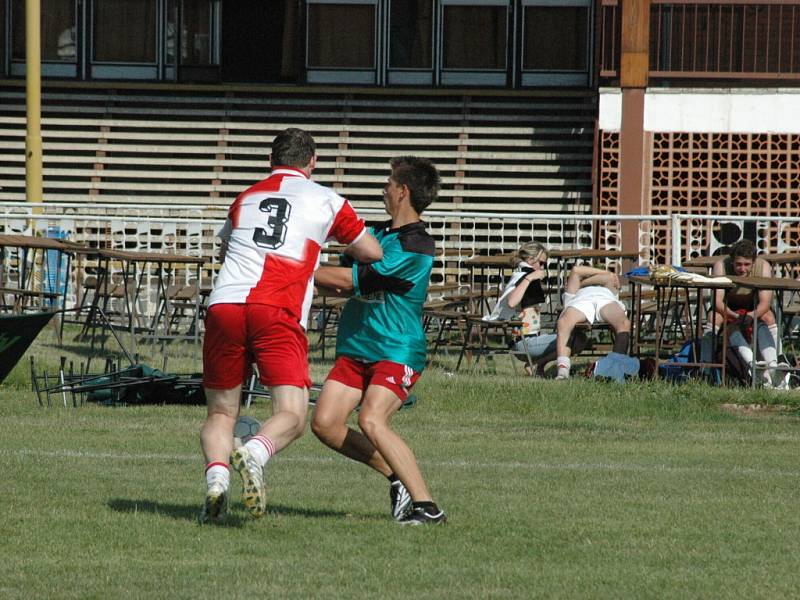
{"x": 339, "y": 279}
{"x": 392, "y": 275}
{"x": 349, "y": 229}
{"x": 365, "y": 249}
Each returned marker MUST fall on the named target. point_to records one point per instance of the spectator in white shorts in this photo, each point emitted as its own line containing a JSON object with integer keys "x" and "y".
{"x": 590, "y": 295}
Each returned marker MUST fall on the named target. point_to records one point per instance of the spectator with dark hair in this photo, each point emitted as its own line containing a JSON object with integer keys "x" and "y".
{"x": 745, "y": 306}
{"x": 380, "y": 343}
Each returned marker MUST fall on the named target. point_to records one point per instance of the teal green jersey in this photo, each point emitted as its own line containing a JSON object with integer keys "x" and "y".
{"x": 383, "y": 319}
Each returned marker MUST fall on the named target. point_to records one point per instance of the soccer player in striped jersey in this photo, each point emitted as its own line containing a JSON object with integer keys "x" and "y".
{"x": 380, "y": 344}
{"x": 258, "y": 308}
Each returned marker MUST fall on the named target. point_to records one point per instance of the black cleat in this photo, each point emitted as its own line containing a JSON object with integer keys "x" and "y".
{"x": 421, "y": 516}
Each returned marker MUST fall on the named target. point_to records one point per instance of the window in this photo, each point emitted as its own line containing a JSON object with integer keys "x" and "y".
{"x": 58, "y": 27}
{"x": 124, "y": 31}
{"x": 474, "y": 42}
{"x": 260, "y": 41}
{"x": 2, "y": 38}
{"x": 197, "y": 37}
{"x": 555, "y": 42}
{"x": 197, "y": 34}
{"x": 342, "y": 36}
{"x": 410, "y": 34}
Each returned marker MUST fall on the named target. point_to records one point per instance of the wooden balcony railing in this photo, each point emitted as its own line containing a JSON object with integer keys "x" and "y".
{"x": 731, "y": 39}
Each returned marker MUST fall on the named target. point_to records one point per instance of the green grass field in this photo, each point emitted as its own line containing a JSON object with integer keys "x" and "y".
{"x": 553, "y": 490}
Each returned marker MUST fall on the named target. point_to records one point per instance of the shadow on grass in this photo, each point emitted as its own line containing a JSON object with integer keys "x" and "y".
{"x": 280, "y": 509}
{"x": 83, "y": 348}
{"x": 181, "y": 512}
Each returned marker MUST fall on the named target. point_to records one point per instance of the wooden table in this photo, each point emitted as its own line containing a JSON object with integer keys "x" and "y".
{"x": 592, "y": 253}
{"x": 30, "y": 248}
{"x": 782, "y": 258}
{"x": 666, "y": 298}
{"x": 705, "y": 262}
{"x": 133, "y": 273}
{"x": 786, "y": 265}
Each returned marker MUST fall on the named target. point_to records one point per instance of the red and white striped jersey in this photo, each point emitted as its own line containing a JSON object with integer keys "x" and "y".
{"x": 274, "y": 232}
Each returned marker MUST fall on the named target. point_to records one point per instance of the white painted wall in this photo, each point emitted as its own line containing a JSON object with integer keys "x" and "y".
{"x": 709, "y": 111}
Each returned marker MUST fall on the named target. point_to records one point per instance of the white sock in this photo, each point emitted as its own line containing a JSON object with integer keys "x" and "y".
{"x": 217, "y": 472}
{"x": 745, "y": 353}
{"x": 261, "y": 448}
{"x": 770, "y": 355}
{"x": 564, "y": 365}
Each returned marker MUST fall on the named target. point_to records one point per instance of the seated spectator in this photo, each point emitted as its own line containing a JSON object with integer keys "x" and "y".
{"x": 590, "y": 295}
{"x": 520, "y": 300}
{"x": 746, "y": 305}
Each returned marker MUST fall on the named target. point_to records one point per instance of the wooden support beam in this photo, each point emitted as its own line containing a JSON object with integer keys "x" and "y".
{"x": 635, "y": 43}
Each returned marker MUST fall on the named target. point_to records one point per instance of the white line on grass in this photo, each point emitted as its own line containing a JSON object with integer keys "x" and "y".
{"x": 512, "y": 465}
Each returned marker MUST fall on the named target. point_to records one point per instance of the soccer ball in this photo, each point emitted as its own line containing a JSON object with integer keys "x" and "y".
{"x": 245, "y": 428}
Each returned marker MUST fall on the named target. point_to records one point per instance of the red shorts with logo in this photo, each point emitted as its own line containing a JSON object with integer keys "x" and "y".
{"x": 360, "y": 375}
{"x": 238, "y": 335}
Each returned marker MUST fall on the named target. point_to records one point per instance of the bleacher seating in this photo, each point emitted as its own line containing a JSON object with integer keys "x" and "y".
{"x": 191, "y": 146}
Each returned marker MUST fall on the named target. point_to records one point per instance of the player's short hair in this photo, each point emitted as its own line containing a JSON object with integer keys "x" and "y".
{"x": 292, "y": 147}
{"x": 531, "y": 250}
{"x": 421, "y": 178}
{"x": 743, "y": 249}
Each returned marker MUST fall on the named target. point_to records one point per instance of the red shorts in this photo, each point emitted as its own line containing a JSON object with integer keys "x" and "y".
{"x": 356, "y": 374}
{"x": 238, "y": 335}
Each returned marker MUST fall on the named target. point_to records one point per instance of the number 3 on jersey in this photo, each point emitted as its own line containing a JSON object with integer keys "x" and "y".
{"x": 279, "y": 211}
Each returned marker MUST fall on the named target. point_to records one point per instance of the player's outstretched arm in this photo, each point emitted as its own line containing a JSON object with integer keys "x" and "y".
{"x": 365, "y": 249}
{"x": 334, "y": 278}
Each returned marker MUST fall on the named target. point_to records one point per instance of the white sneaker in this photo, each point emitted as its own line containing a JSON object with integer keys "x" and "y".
{"x": 784, "y": 375}
{"x": 563, "y": 374}
{"x": 216, "y": 504}
{"x": 254, "y": 494}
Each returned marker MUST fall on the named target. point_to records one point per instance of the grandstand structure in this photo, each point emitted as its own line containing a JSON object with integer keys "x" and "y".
{"x": 537, "y": 112}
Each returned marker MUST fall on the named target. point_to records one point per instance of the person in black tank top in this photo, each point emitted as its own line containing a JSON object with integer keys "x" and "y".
{"x": 746, "y": 305}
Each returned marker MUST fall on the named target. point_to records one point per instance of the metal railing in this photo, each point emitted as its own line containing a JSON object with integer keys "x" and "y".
{"x": 714, "y": 39}
{"x": 458, "y": 236}
{"x": 704, "y": 235}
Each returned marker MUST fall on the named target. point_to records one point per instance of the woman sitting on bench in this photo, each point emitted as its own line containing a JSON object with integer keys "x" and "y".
{"x": 520, "y": 300}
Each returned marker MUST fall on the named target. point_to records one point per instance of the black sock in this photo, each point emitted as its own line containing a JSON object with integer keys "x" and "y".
{"x": 621, "y": 342}
{"x": 430, "y": 507}
{"x": 392, "y": 478}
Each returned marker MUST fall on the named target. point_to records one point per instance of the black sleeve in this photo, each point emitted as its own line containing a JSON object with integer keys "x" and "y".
{"x": 370, "y": 281}
{"x": 534, "y": 294}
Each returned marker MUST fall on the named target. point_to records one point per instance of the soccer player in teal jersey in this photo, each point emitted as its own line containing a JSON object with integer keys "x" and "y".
{"x": 380, "y": 344}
